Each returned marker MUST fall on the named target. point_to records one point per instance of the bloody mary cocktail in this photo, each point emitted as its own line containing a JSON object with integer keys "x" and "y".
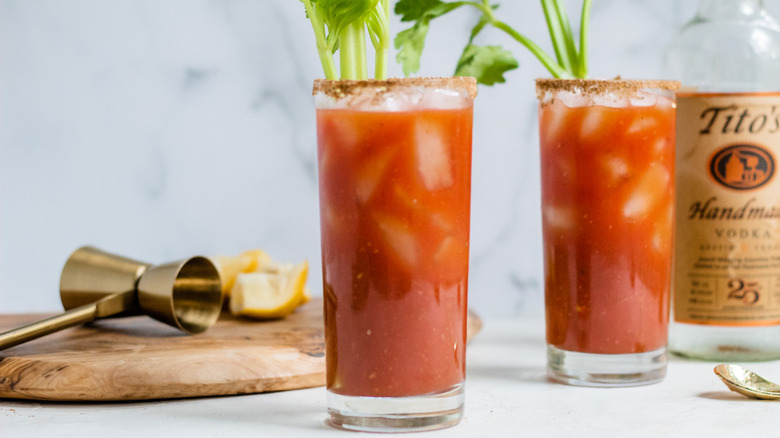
{"x": 395, "y": 188}
{"x": 607, "y": 161}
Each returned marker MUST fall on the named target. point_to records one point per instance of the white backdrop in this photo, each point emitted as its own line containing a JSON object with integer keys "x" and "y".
{"x": 165, "y": 129}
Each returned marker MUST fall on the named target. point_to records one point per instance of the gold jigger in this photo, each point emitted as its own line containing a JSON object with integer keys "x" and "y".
{"x": 90, "y": 275}
{"x": 95, "y": 284}
{"x": 186, "y": 294}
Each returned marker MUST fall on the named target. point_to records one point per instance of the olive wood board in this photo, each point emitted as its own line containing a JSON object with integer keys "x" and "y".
{"x": 138, "y": 358}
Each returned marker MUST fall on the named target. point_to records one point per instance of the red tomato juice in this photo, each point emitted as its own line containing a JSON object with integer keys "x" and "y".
{"x": 395, "y": 191}
{"x": 608, "y": 222}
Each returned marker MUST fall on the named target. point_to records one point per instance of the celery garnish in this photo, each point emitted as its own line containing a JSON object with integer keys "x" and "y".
{"x": 582, "y": 60}
{"x": 341, "y": 26}
{"x": 489, "y": 63}
{"x": 323, "y": 48}
{"x": 560, "y": 32}
{"x": 352, "y": 51}
{"x": 379, "y": 31}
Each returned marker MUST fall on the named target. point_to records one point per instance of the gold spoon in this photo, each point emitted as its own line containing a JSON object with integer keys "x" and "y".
{"x": 747, "y": 382}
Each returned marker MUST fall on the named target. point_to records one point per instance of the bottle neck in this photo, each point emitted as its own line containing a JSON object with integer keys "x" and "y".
{"x": 728, "y": 9}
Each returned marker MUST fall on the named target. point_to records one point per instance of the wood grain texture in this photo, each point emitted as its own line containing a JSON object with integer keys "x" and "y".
{"x": 138, "y": 358}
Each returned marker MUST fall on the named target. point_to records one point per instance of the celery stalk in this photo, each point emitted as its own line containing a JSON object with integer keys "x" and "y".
{"x": 323, "y": 50}
{"x": 352, "y": 52}
{"x": 582, "y": 64}
{"x": 383, "y": 47}
{"x": 568, "y": 36}
{"x": 556, "y": 70}
{"x": 380, "y": 37}
{"x": 557, "y": 34}
{"x": 380, "y": 63}
{"x": 341, "y": 25}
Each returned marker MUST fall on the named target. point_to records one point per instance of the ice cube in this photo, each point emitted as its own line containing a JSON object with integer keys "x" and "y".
{"x": 440, "y": 221}
{"x": 617, "y": 169}
{"x": 406, "y": 198}
{"x": 662, "y": 232}
{"x": 553, "y": 120}
{"x": 371, "y": 171}
{"x": 432, "y": 155}
{"x": 611, "y": 100}
{"x": 451, "y": 251}
{"x": 564, "y": 168}
{"x": 405, "y": 100}
{"x": 573, "y": 100}
{"x": 644, "y": 98}
{"x": 665, "y": 103}
{"x": 323, "y": 160}
{"x": 592, "y": 122}
{"x": 638, "y": 205}
{"x": 662, "y": 146}
{"x": 559, "y": 217}
{"x": 322, "y": 100}
{"x": 399, "y": 239}
{"x": 641, "y": 124}
{"x": 366, "y": 99}
{"x": 341, "y": 133}
{"x": 649, "y": 191}
{"x": 442, "y": 98}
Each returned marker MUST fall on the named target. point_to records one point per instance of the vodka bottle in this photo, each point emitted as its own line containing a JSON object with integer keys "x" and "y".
{"x": 726, "y": 297}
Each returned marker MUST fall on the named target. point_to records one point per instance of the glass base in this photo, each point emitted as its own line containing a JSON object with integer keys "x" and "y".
{"x": 605, "y": 370}
{"x": 396, "y": 414}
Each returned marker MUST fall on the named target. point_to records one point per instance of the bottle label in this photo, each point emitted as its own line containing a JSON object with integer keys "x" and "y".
{"x": 727, "y": 259}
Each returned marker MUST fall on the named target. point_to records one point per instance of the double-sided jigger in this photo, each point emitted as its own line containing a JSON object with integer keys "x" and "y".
{"x": 186, "y": 294}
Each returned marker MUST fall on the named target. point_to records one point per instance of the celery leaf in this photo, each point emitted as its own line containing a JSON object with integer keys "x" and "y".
{"x": 414, "y": 10}
{"x": 411, "y": 42}
{"x": 486, "y": 63}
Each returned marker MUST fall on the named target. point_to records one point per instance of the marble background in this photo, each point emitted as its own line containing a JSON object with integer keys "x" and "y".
{"x": 165, "y": 129}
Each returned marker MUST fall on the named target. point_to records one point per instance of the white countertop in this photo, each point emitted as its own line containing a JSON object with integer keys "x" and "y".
{"x": 506, "y": 394}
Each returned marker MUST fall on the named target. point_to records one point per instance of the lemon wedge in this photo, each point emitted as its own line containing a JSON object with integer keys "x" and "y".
{"x": 271, "y": 293}
{"x": 229, "y": 267}
{"x": 258, "y": 260}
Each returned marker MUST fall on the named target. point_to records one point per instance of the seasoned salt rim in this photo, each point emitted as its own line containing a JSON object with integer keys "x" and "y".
{"x": 341, "y": 88}
{"x": 595, "y": 87}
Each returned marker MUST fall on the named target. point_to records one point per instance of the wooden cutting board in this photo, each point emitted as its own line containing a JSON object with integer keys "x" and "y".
{"x": 138, "y": 358}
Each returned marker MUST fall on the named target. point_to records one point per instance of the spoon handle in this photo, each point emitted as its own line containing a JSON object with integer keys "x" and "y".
{"x": 108, "y": 306}
{"x": 77, "y": 316}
